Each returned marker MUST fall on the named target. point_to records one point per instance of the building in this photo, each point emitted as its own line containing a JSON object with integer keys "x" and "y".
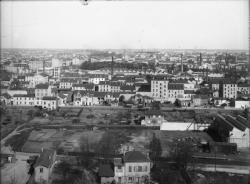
{"x": 42, "y": 90}
{"x": 44, "y": 165}
{"x": 229, "y": 90}
{"x": 97, "y": 78}
{"x": 83, "y": 87}
{"x": 133, "y": 167}
{"x": 49, "y": 102}
{"x": 175, "y": 91}
{"x": 240, "y": 132}
{"x": 200, "y": 100}
{"x": 153, "y": 118}
{"x": 35, "y": 79}
{"x": 243, "y": 88}
{"x": 159, "y": 89}
{"x": 242, "y": 104}
{"x": 24, "y": 100}
{"x": 67, "y": 83}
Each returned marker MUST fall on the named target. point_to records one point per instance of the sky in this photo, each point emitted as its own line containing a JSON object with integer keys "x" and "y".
{"x": 183, "y": 24}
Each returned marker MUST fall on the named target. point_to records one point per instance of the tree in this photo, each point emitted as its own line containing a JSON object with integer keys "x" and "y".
{"x": 156, "y": 105}
{"x": 177, "y": 103}
{"x": 64, "y": 168}
{"x": 181, "y": 153}
{"x": 31, "y": 113}
{"x": 232, "y": 102}
{"x": 155, "y": 149}
{"x": 121, "y": 98}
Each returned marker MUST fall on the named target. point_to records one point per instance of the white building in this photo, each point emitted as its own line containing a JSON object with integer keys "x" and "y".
{"x": 230, "y": 90}
{"x": 35, "y": 79}
{"x": 159, "y": 89}
{"x": 242, "y": 104}
{"x": 97, "y": 78}
{"x": 23, "y": 100}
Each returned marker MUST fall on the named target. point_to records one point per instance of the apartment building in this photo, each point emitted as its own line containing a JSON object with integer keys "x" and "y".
{"x": 35, "y": 79}
{"x": 243, "y": 88}
{"x": 23, "y": 100}
{"x": 97, "y": 78}
{"x": 229, "y": 90}
{"x": 159, "y": 88}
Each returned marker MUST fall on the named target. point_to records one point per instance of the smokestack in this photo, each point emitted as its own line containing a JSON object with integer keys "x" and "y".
{"x": 112, "y": 67}
{"x": 181, "y": 64}
{"x": 43, "y": 66}
{"x": 200, "y": 59}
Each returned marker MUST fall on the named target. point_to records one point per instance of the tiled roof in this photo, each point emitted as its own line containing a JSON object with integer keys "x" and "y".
{"x": 127, "y": 87}
{"x": 45, "y": 159}
{"x": 173, "y": 86}
{"x": 6, "y": 95}
{"x": 189, "y": 92}
{"x": 243, "y": 85}
{"x": 69, "y": 80}
{"x": 49, "y": 98}
{"x": 135, "y": 156}
{"x": 201, "y": 96}
{"x": 145, "y": 88}
{"x": 42, "y": 86}
{"x": 24, "y": 95}
{"x": 106, "y": 170}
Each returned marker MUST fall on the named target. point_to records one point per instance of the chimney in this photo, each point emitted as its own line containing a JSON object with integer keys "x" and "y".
{"x": 200, "y": 59}
{"x": 42, "y": 149}
{"x": 181, "y": 64}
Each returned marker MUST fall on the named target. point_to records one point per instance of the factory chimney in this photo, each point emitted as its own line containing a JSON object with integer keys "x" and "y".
{"x": 181, "y": 64}
{"x": 112, "y": 66}
{"x": 200, "y": 59}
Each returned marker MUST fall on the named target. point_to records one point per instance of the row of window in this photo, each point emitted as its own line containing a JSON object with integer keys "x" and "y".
{"x": 137, "y": 169}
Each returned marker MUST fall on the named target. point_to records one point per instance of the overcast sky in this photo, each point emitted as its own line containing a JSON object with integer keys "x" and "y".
{"x": 206, "y": 24}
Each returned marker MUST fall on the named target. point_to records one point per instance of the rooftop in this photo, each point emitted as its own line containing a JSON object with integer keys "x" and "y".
{"x": 135, "y": 156}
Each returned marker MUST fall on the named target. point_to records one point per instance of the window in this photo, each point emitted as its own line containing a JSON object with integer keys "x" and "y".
{"x": 129, "y": 169}
{"x": 139, "y": 168}
{"x": 41, "y": 170}
{"x": 130, "y": 179}
{"x": 145, "y": 168}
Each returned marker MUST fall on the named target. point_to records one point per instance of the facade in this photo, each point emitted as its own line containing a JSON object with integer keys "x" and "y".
{"x": 159, "y": 89}
{"x": 175, "y": 91}
{"x": 200, "y": 100}
{"x": 230, "y": 90}
{"x": 67, "y": 83}
{"x": 133, "y": 168}
{"x": 243, "y": 88}
{"x": 97, "y": 78}
{"x": 42, "y": 90}
{"x": 23, "y": 100}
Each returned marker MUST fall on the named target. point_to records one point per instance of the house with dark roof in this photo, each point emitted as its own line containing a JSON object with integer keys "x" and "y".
{"x": 44, "y": 165}
{"x": 132, "y": 167}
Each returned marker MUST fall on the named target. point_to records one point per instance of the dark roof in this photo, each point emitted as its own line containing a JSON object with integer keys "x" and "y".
{"x": 153, "y": 112}
{"x": 127, "y": 87}
{"x": 145, "y": 88}
{"x": 24, "y": 95}
{"x": 49, "y": 98}
{"x": 45, "y": 159}
{"x": 106, "y": 170}
{"x": 135, "y": 156}
{"x": 173, "y": 86}
{"x": 201, "y": 96}
{"x": 42, "y": 86}
{"x": 6, "y": 95}
{"x": 189, "y": 92}
{"x": 243, "y": 85}
{"x": 243, "y": 121}
{"x": 237, "y": 124}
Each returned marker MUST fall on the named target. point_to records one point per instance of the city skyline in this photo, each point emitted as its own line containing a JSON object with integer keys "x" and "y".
{"x": 158, "y": 25}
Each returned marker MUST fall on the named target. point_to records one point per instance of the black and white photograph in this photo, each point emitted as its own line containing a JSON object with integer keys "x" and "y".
{"x": 125, "y": 92}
